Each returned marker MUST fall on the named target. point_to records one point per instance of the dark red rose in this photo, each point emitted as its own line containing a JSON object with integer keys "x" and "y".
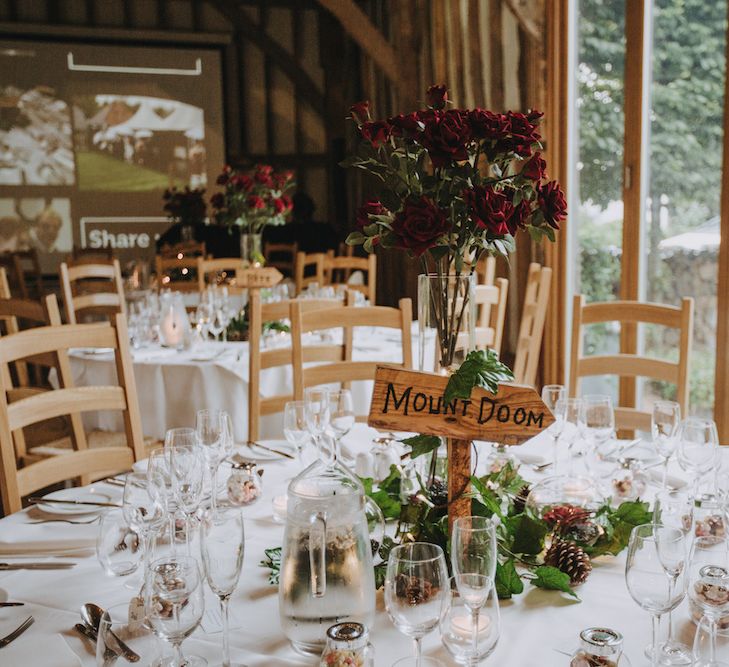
{"x": 518, "y": 218}
{"x": 287, "y": 202}
{"x": 535, "y": 168}
{"x": 534, "y": 116}
{"x": 360, "y": 112}
{"x": 437, "y": 96}
{"x": 445, "y": 136}
{"x": 222, "y": 179}
{"x": 266, "y": 169}
{"x": 490, "y": 209}
{"x": 242, "y": 182}
{"x": 256, "y": 202}
{"x": 263, "y": 179}
{"x": 552, "y": 202}
{"x": 217, "y": 200}
{"x": 405, "y": 124}
{"x": 488, "y": 125}
{"x": 377, "y": 132}
{"x": 419, "y": 225}
{"x": 278, "y": 205}
{"x": 523, "y": 134}
{"x": 372, "y": 207}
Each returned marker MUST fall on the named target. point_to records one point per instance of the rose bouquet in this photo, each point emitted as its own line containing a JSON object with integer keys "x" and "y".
{"x": 253, "y": 200}
{"x": 455, "y": 184}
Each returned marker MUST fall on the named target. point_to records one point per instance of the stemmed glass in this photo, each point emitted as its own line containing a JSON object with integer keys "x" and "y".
{"x": 698, "y": 443}
{"x": 473, "y": 557}
{"x": 655, "y": 573}
{"x": 572, "y": 426}
{"x": 552, "y": 395}
{"x": 316, "y": 409}
{"x": 159, "y": 478}
{"x": 222, "y": 548}
{"x": 417, "y": 594}
{"x": 341, "y": 414}
{"x": 674, "y": 509}
{"x": 118, "y": 547}
{"x": 295, "y": 429}
{"x": 174, "y": 604}
{"x": 187, "y": 468}
{"x": 214, "y": 434}
{"x": 665, "y": 420}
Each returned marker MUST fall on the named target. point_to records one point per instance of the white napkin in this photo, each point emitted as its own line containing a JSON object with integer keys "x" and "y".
{"x": 20, "y": 537}
{"x": 656, "y": 475}
{"x": 25, "y": 651}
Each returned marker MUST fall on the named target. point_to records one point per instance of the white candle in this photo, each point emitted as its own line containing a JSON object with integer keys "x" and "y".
{"x": 172, "y": 330}
{"x": 462, "y": 626}
{"x": 279, "y": 507}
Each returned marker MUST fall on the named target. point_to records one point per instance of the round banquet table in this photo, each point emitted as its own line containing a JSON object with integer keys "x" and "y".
{"x": 173, "y": 385}
{"x": 535, "y": 625}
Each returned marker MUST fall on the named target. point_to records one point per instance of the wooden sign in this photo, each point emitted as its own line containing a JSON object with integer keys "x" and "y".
{"x": 261, "y": 277}
{"x": 405, "y": 400}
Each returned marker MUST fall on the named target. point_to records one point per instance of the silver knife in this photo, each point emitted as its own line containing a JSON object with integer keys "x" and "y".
{"x": 37, "y": 501}
{"x": 36, "y": 566}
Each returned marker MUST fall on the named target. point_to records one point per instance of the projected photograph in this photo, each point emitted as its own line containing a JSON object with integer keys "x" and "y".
{"x": 35, "y": 137}
{"x": 35, "y": 222}
{"x": 131, "y": 143}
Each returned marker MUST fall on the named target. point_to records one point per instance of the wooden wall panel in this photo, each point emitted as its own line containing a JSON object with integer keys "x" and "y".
{"x": 179, "y": 14}
{"x": 511, "y": 52}
{"x": 254, "y": 100}
{"x": 73, "y": 11}
{"x": 283, "y": 113}
{"x": 310, "y": 61}
{"x": 144, "y": 13}
{"x": 280, "y": 27}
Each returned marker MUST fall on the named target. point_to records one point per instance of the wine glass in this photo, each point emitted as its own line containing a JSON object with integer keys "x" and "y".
{"x": 187, "y": 468}
{"x": 341, "y": 414}
{"x": 159, "y": 479}
{"x": 214, "y": 434}
{"x": 118, "y": 547}
{"x": 552, "y": 394}
{"x": 417, "y": 594}
{"x": 598, "y": 417}
{"x": 703, "y": 644}
{"x": 674, "y": 509}
{"x": 698, "y": 443}
{"x": 295, "y": 429}
{"x": 708, "y": 586}
{"x": 473, "y": 557}
{"x": 572, "y": 425}
{"x": 655, "y": 573}
{"x": 222, "y": 546}
{"x": 665, "y": 420}
{"x": 174, "y": 604}
{"x": 115, "y": 627}
{"x": 316, "y": 409}
{"x": 456, "y": 628}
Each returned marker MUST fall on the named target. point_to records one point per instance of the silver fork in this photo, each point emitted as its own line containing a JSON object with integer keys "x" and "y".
{"x": 17, "y": 632}
{"x": 75, "y": 523}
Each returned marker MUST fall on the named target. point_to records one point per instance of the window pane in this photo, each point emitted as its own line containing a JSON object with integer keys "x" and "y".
{"x": 682, "y": 211}
{"x": 596, "y": 191}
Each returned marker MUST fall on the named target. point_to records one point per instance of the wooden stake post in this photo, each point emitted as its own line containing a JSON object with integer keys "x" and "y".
{"x": 405, "y": 400}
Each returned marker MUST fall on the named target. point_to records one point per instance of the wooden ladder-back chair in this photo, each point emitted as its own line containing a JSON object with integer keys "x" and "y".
{"x": 491, "y": 313}
{"x": 166, "y": 268}
{"x": 486, "y": 270}
{"x": 281, "y": 256}
{"x": 104, "y": 276}
{"x": 336, "y": 365}
{"x": 81, "y": 462}
{"x": 260, "y": 360}
{"x": 224, "y": 268}
{"x": 20, "y": 265}
{"x": 531, "y": 327}
{"x": 81, "y": 255}
{"x": 631, "y": 365}
{"x": 337, "y": 271}
{"x": 305, "y": 261}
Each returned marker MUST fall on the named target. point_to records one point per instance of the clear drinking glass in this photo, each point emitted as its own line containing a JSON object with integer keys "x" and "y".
{"x": 187, "y": 468}
{"x": 341, "y": 414}
{"x": 655, "y": 573}
{"x": 295, "y": 428}
{"x": 572, "y": 426}
{"x": 417, "y": 594}
{"x": 698, "y": 443}
{"x": 175, "y": 603}
{"x": 674, "y": 509}
{"x": 457, "y": 628}
{"x": 316, "y": 409}
{"x": 159, "y": 479}
{"x": 552, "y": 394}
{"x": 703, "y": 644}
{"x": 473, "y": 558}
{"x": 222, "y": 547}
{"x": 214, "y": 434}
{"x": 708, "y": 586}
{"x": 118, "y": 547}
{"x": 665, "y": 420}
{"x": 116, "y": 627}
{"x": 598, "y": 417}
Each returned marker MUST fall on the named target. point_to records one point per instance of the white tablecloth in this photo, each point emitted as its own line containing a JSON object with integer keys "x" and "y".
{"x": 172, "y": 386}
{"x": 534, "y": 624}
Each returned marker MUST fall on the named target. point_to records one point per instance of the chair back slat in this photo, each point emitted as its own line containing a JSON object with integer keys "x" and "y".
{"x": 305, "y": 261}
{"x": 104, "y": 281}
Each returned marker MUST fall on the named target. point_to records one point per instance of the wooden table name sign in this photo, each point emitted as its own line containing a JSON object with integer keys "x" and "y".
{"x": 261, "y": 277}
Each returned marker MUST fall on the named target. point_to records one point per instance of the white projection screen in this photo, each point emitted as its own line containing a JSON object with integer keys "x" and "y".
{"x": 90, "y": 137}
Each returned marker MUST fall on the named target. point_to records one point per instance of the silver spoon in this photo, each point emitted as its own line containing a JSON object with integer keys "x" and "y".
{"x": 92, "y": 614}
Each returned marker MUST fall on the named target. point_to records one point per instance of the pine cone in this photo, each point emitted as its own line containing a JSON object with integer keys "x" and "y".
{"x": 562, "y": 517}
{"x": 567, "y": 557}
{"x": 521, "y": 498}
{"x": 438, "y": 493}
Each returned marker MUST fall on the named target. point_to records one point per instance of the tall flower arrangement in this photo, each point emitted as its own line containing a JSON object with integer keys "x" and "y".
{"x": 455, "y": 184}
{"x": 253, "y": 200}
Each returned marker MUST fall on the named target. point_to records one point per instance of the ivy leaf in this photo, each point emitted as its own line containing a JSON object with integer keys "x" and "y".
{"x": 422, "y": 444}
{"x": 508, "y": 581}
{"x": 481, "y": 368}
{"x": 486, "y": 496}
{"x": 355, "y": 238}
{"x": 528, "y": 535}
{"x": 380, "y": 575}
{"x": 552, "y": 579}
{"x": 273, "y": 562}
{"x": 633, "y": 512}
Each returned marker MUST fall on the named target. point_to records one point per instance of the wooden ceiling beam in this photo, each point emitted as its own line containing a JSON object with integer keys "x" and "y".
{"x": 359, "y": 27}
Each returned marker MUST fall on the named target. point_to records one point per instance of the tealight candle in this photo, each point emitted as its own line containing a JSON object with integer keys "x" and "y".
{"x": 279, "y": 508}
{"x": 172, "y": 330}
{"x": 462, "y": 626}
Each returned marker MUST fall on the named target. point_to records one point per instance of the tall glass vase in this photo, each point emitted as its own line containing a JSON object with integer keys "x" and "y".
{"x": 251, "y": 249}
{"x": 446, "y": 319}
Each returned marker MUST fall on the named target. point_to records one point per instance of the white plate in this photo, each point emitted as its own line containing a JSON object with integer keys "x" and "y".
{"x": 261, "y": 454}
{"x": 89, "y": 494}
{"x": 94, "y": 351}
